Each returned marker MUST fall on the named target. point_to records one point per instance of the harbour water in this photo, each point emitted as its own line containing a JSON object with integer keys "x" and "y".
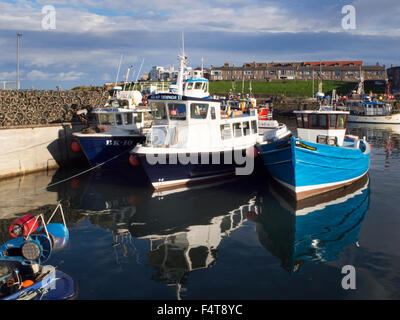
{"x": 237, "y": 240}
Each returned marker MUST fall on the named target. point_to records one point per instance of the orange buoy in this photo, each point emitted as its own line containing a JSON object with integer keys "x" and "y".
{"x": 27, "y": 283}
{"x": 75, "y": 147}
{"x": 133, "y": 160}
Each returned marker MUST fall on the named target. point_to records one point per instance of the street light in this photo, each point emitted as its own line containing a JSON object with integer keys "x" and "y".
{"x": 19, "y": 35}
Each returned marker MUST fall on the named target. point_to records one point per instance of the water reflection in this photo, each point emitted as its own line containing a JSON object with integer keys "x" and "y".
{"x": 173, "y": 234}
{"x": 314, "y": 230}
{"x": 185, "y": 228}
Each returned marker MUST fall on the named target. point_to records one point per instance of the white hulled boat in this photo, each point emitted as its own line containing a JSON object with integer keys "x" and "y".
{"x": 195, "y": 138}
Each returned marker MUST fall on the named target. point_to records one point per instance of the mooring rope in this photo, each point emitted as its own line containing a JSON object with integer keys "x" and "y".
{"x": 69, "y": 178}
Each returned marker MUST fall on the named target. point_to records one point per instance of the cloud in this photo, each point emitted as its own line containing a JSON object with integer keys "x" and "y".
{"x": 8, "y": 76}
{"x": 61, "y": 76}
{"x": 38, "y": 75}
{"x": 70, "y": 76}
{"x": 92, "y": 34}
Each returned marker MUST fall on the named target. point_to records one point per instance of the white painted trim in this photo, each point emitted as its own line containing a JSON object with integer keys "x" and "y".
{"x": 316, "y": 186}
{"x": 181, "y": 181}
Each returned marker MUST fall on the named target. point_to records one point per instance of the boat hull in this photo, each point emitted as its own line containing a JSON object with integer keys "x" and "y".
{"x": 391, "y": 119}
{"x": 112, "y": 152}
{"x": 57, "y": 285}
{"x": 307, "y": 169}
{"x": 174, "y": 174}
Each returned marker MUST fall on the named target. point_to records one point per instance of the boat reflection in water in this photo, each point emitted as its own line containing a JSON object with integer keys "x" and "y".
{"x": 185, "y": 228}
{"x": 313, "y": 230}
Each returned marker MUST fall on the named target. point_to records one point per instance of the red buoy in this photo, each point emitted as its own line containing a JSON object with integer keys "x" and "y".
{"x": 22, "y": 226}
{"x": 133, "y": 160}
{"x": 75, "y": 147}
{"x": 251, "y": 152}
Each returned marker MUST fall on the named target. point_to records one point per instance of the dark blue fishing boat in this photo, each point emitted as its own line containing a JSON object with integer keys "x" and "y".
{"x": 120, "y": 125}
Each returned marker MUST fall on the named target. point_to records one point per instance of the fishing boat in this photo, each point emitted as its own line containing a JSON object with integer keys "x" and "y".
{"x": 365, "y": 111}
{"x": 321, "y": 158}
{"x": 195, "y": 138}
{"x": 120, "y": 125}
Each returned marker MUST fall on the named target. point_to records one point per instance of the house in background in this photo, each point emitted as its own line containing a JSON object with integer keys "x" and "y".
{"x": 325, "y": 70}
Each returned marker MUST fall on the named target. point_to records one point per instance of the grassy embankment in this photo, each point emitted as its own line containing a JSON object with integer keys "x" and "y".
{"x": 295, "y": 88}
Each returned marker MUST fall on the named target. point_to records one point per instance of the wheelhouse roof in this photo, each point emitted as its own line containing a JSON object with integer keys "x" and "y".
{"x": 197, "y": 79}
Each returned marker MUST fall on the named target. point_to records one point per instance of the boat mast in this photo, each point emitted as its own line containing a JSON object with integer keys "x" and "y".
{"x": 181, "y": 70}
{"x": 126, "y": 77}
{"x": 119, "y": 67}
{"x": 137, "y": 76}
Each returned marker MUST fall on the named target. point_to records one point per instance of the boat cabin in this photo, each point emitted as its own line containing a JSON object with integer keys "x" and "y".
{"x": 322, "y": 126}
{"x": 181, "y": 121}
{"x": 196, "y": 87}
{"x": 116, "y": 120}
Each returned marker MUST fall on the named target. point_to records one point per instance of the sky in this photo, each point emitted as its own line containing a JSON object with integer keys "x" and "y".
{"x": 81, "y": 41}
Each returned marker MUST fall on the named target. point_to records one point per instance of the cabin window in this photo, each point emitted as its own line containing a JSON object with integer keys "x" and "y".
{"x": 128, "y": 118}
{"x": 138, "y": 117}
{"x": 204, "y": 86}
{"x": 341, "y": 121}
{"x": 254, "y": 128}
{"x": 177, "y": 111}
{"x": 246, "y": 128}
{"x": 189, "y": 86}
{"x": 106, "y": 119}
{"x": 118, "y": 118}
{"x": 198, "y": 85}
{"x": 299, "y": 121}
{"x": 332, "y": 121}
{"x": 237, "y": 130}
{"x": 226, "y": 132}
{"x": 305, "y": 120}
{"x": 213, "y": 115}
{"x": 158, "y": 111}
{"x": 319, "y": 121}
{"x": 198, "y": 110}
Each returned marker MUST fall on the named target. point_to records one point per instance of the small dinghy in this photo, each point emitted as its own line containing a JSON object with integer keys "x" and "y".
{"x": 34, "y": 243}
{"x": 22, "y": 277}
{"x": 23, "y": 281}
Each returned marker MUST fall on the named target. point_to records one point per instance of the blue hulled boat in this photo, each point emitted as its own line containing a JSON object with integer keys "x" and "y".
{"x": 321, "y": 158}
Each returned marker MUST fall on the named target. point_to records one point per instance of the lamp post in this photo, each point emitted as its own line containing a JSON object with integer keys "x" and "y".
{"x": 19, "y": 35}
